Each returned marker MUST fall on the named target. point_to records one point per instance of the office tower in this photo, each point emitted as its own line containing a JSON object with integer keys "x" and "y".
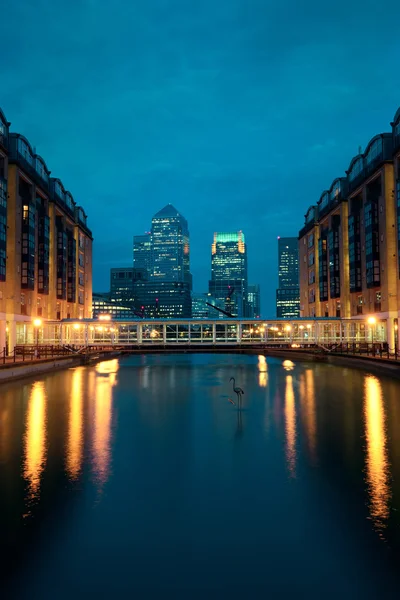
{"x": 45, "y": 244}
{"x": 103, "y": 304}
{"x": 350, "y": 241}
{"x": 142, "y": 252}
{"x": 202, "y": 306}
{"x": 253, "y": 302}
{"x": 288, "y": 294}
{"x": 170, "y": 246}
{"x": 122, "y": 283}
{"x": 168, "y": 292}
{"x": 228, "y": 282}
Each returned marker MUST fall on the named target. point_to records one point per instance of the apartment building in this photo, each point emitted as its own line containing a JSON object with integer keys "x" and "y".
{"x": 350, "y": 242}
{"x": 45, "y": 244}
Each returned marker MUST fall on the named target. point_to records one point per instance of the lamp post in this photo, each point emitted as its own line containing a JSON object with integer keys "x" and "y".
{"x": 37, "y": 323}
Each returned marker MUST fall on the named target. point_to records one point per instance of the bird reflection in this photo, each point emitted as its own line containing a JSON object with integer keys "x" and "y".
{"x": 35, "y": 440}
{"x": 239, "y": 426}
{"x": 262, "y": 371}
{"x": 75, "y": 433}
{"x": 377, "y": 471}
{"x": 102, "y": 420}
{"x": 290, "y": 426}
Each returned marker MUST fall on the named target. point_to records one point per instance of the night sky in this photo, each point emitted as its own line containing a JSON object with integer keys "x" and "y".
{"x": 239, "y": 112}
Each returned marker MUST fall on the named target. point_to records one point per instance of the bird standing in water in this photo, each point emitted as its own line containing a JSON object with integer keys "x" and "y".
{"x": 238, "y": 391}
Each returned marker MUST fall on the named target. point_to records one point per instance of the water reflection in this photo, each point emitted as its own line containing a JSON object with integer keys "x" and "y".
{"x": 288, "y": 365}
{"x": 35, "y": 440}
{"x": 75, "y": 425}
{"x": 309, "y": 412}
{"x": 290, "y": 426}
{"x": 262, "y": 371}
{"x": 101, "y": 445}
{"x": 377, "y": 472}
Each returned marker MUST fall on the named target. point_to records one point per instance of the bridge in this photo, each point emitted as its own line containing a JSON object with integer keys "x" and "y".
{"x": 187, "y": 334}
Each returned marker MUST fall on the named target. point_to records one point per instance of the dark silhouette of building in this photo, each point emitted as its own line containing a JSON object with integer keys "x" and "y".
{"x": 288, "y": 292}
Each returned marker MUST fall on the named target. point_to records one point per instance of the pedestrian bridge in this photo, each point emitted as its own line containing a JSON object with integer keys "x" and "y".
{"x": 140, "y": 333}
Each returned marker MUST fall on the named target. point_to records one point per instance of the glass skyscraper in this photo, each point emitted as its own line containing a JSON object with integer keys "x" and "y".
{"x": 253, "y": 302}
{"x": 228, "y": 282}
{"x": 142, "y": 252}
{"x": 165, "y": 253}
{"x": 288, "y": 292}
{"x": 170, "y": 259}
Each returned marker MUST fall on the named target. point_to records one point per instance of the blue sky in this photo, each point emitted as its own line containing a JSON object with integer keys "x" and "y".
{"x": 239, "y": 112}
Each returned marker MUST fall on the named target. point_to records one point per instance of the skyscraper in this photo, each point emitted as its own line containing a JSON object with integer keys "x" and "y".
{"x": 166, "y": 251}
{"x": 170, "y": 247}
{"x": 142, "y": 252}
{"x": 288, "y": 292}
{"x": 253, "y": 302}
{"x": 229, "y": 272}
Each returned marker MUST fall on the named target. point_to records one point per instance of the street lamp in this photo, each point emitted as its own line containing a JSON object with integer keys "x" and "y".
{"x": 37, "y": 323}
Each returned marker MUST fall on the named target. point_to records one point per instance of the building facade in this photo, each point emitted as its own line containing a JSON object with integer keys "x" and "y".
{"x": 288, "y": 292}
{"x": 165, "y": 254}
{"x": 170, "y": 247}
{"x": 122, "y": 284}
{"x": 228, "y": 283}
{"x": 253, "y": 302}
{"x": 163, "y": 299}
{"x": 203, "y": 306}
{"x": 45, "y": 244}
{"x": 349, "y": 245}
{"x": 103, "y": 304}
{"x": 142, "y": 252}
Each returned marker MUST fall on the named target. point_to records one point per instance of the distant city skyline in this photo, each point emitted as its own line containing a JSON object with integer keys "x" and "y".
{"x": 209, "y": 124}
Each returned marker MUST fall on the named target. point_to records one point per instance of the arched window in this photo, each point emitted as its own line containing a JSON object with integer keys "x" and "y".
{"x": 69, "y": 201}
{"x": 58, "y": 190}
{"x": 25, "y": 151}
{"x": 324, "y": 200}
{"x": 374, "y": 151}
{"x": 335, "y": 190}
{"x": 356, "y": 168}
{"x": 41, "y": 170}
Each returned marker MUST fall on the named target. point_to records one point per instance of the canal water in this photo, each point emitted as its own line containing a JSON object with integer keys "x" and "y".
{"x": 139, "y": 478}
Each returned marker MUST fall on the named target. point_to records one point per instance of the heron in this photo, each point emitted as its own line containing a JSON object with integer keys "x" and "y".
{"x": 238, "y": 391}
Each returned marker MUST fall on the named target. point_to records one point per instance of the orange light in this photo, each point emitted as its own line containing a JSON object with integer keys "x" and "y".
{"x": 371, "y": 320}
{"x": 37, "y": 322}
{"x": 104, "y": 317}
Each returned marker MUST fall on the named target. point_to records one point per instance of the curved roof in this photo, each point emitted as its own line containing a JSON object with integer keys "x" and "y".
{"x": 56, "y": 180}
{"x": 341, "y": 179}
{"x": 40, "y": 159}
{"x": 374, "y": 139}
{"x": 353, "y": 160}
{"x": 324, "y": 193}
{"x": 71, "y": 196}
{"x": 23, "y": 138}
{"x": 310, "y": 208}
{"x": 396, "y": 117}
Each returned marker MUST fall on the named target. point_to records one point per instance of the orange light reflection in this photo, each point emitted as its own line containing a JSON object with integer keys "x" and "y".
{"x": 75, "y": 426}
{"x": 377, "y": 471}
{"x": 35, "y": 439}
{"x": 290, "y": 426}
{"x": 262, "y": 371}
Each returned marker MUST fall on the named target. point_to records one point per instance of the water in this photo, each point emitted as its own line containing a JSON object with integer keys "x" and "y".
{"x": 140, "y": 479}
